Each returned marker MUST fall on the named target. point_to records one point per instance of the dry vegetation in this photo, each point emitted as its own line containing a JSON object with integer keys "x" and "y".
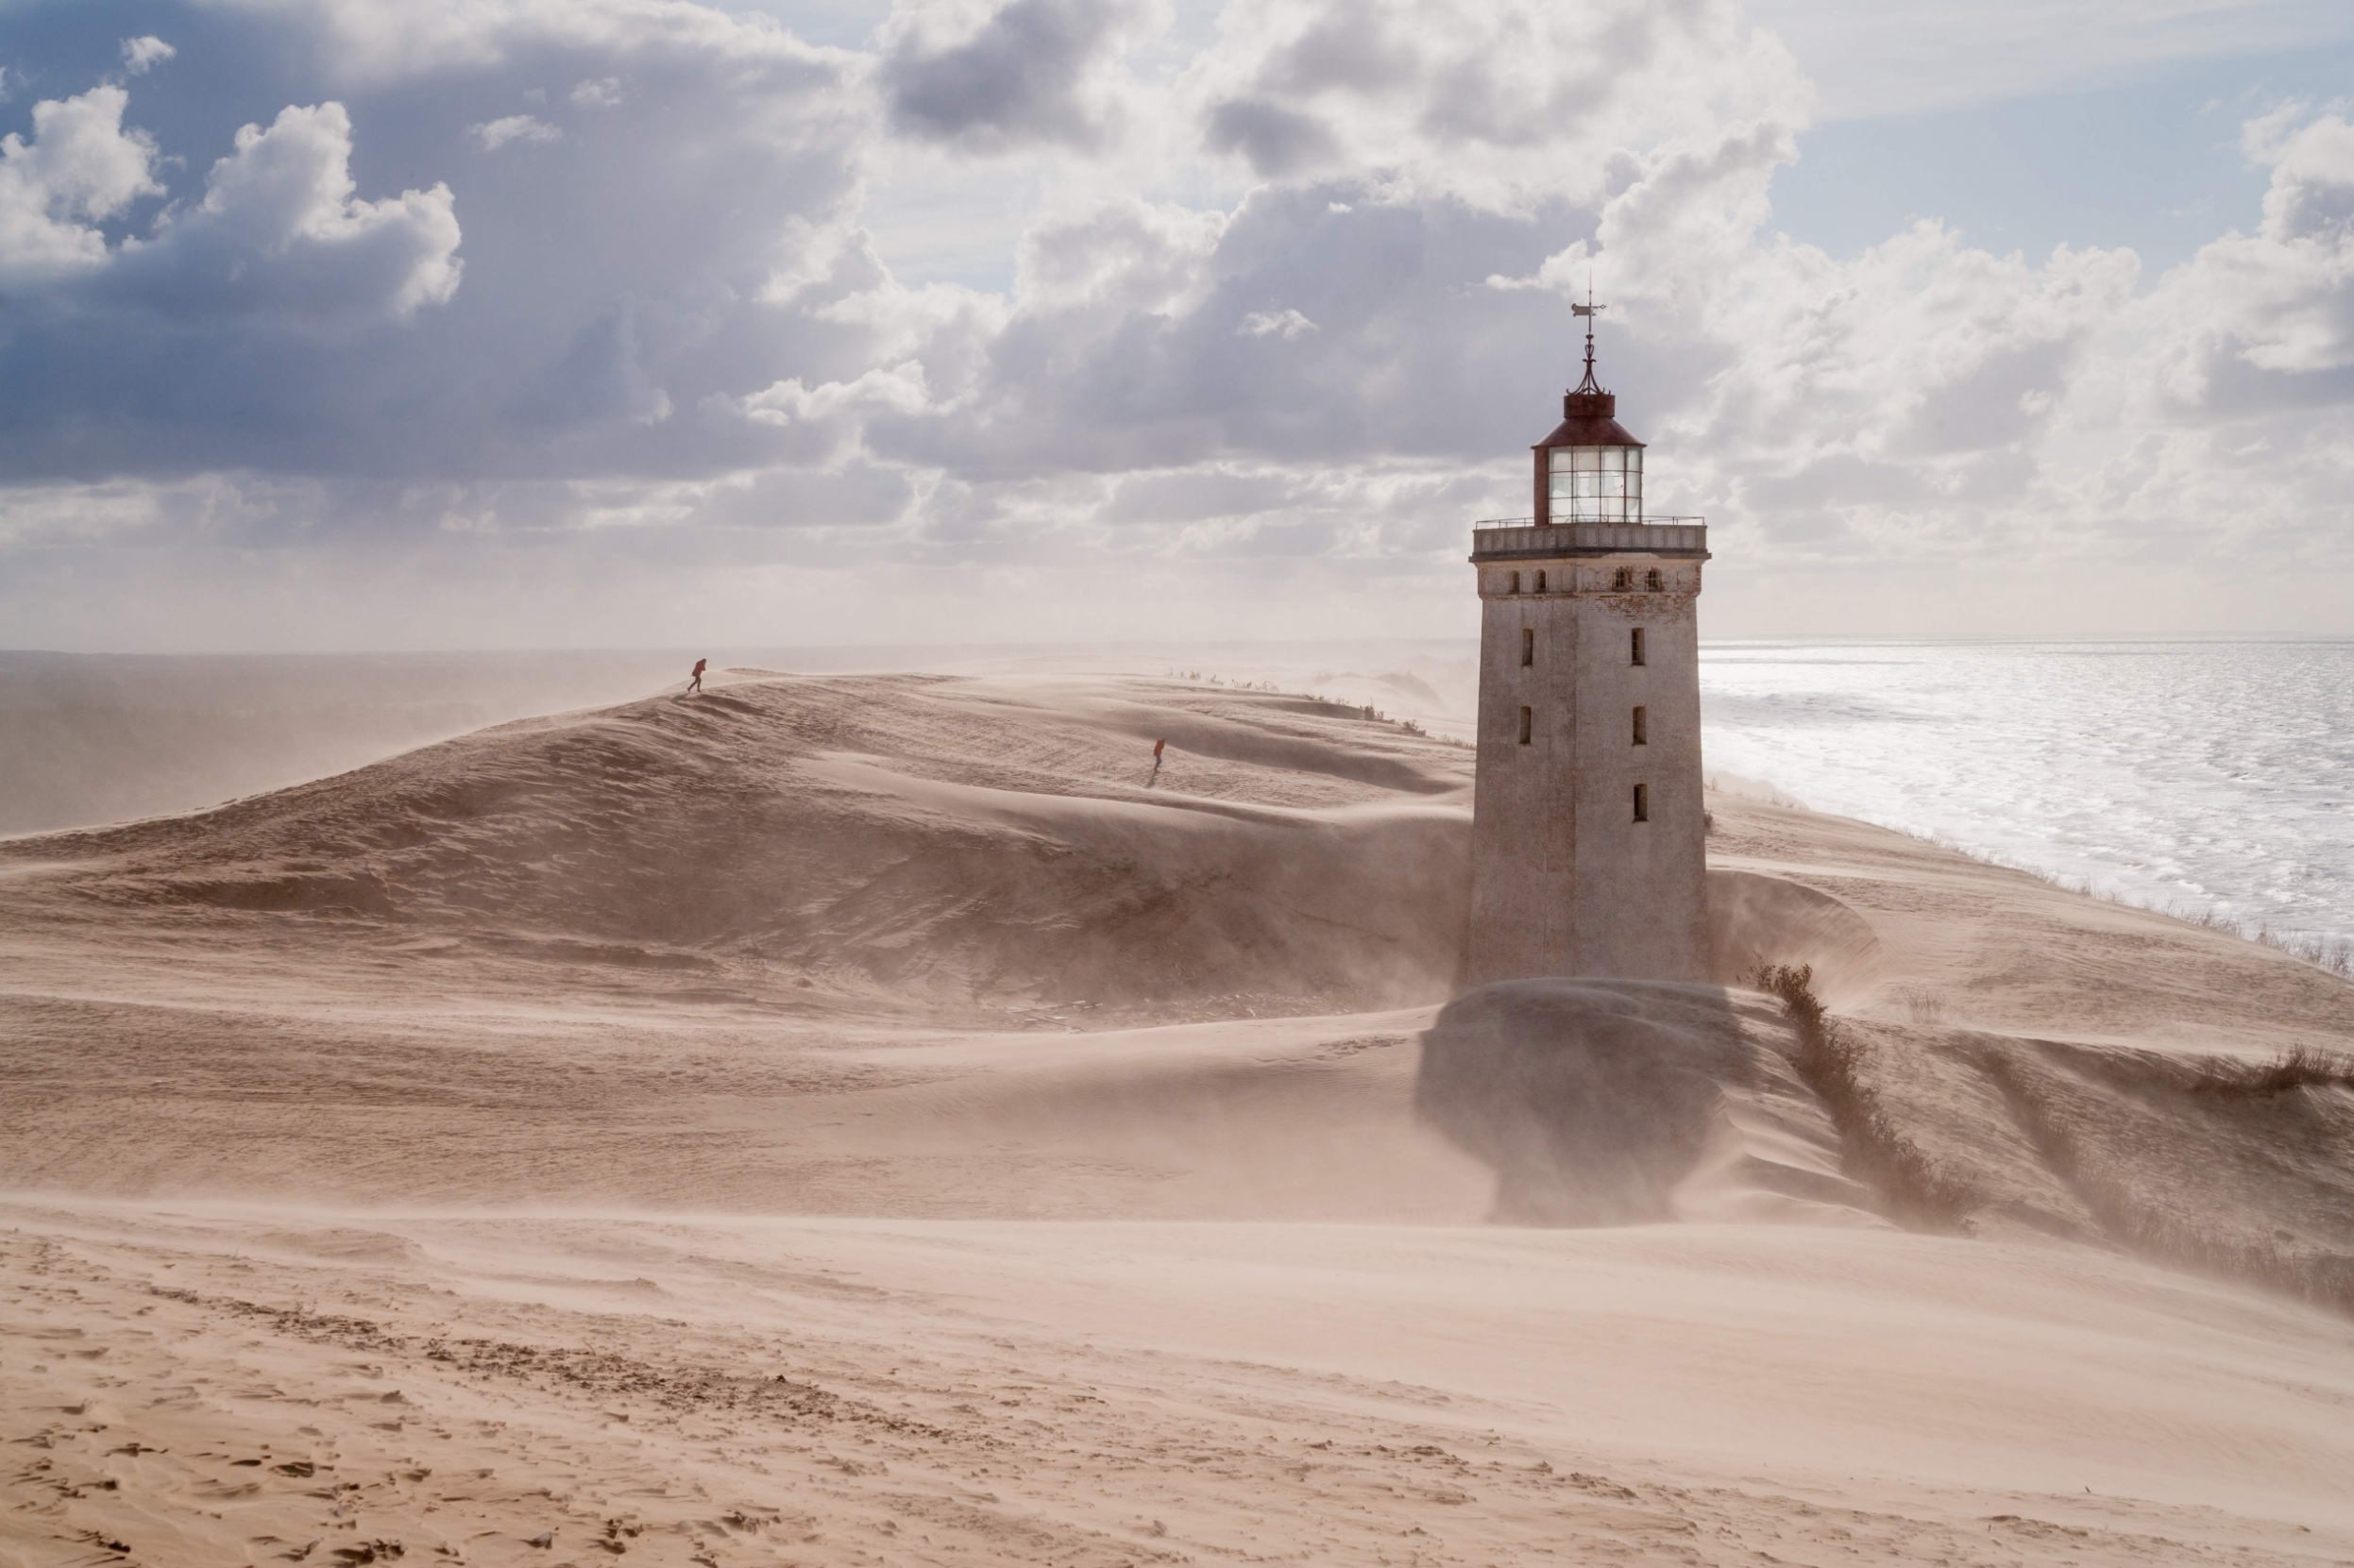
{"x": 1879, "y": 1152}
{"x": 1926, "y": 1193}
{"x": 2299, "y": 1067}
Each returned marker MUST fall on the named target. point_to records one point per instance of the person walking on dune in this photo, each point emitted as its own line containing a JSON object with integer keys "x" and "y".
{"x": 696, "y": 684}
{"x": 1159, "y": 747}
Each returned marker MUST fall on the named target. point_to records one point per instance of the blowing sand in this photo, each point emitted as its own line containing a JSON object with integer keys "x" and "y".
{"x": 873, "y": 1119}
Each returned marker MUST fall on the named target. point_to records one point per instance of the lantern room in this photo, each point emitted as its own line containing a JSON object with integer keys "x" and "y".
{"x": 1589, "y": 470}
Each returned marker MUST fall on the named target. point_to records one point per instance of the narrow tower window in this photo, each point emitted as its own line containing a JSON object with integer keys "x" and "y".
{"x": 1516, "y": 583}
{"x": 1525, "y": 726}
{"x": 1642, "y": 803}
{"x": 1623, "y": 579}
{"x": 1635, "y": 646}
{"x": 1528, "y": 645}
{"x": 1640, "y": 728}
{"x": 1653, "y": 581}
{"x": 1540, "y": 583}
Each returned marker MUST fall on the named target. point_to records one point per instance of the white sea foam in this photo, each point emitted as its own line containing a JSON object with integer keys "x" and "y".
{"x": 2205, "y": 777}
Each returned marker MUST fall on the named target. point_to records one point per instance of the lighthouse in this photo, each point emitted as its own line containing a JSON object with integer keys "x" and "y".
{"x": 1589, "y": 834}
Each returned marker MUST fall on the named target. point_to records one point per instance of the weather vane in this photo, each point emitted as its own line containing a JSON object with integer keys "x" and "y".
{"x": 1589, "y": 310}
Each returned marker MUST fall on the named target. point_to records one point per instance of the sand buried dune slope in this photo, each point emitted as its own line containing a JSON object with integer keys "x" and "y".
{"x": 883, "y": 1119}
{"x": 938, "y": 840}
{"x": 1756, "y": 920}
{"x": 717, "y": 952}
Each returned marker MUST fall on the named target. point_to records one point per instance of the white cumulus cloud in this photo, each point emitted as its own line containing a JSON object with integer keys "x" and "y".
{"x": 80, "y": 168}
{"x": 1279, "y": 324}
{"x": 281, "y": 232}
{"x": 141, "y": 54}
{"x": 494, "y": 134}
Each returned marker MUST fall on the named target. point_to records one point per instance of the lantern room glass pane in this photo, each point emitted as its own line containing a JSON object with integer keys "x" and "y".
{"x": 1595, "y": 484}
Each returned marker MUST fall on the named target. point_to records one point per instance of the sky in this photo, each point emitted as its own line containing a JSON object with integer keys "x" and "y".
{"x": 335, "y": 325}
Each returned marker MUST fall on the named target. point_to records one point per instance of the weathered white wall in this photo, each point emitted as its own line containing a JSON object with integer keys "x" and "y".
{"x": 1565, "y": 882}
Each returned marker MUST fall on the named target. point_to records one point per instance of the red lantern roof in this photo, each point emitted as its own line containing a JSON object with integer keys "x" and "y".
{"x": 1587, "y": 420}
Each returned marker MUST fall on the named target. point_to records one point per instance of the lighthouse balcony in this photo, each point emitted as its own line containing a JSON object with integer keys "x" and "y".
{"x": 1526, "y": 539}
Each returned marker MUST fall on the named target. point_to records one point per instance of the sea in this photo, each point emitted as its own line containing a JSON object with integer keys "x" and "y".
{"x": 2206, "y": 778}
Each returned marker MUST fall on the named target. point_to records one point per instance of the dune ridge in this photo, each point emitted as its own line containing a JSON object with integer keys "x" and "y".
{"x": 935, "y": 841}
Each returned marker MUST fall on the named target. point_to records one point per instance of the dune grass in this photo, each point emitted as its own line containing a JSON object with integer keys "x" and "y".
{"x": 1920, "y": 1195}
{"x": 1876, "y": 1152}
{"x": 2300, "y": 1066}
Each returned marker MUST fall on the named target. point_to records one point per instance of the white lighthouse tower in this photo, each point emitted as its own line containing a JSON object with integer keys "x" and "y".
{"x": 1588, "y": 839}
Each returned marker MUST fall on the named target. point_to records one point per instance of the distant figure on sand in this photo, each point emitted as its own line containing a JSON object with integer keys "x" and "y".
{"x": 696, "y": 684}
{"x": 1159, "y": 747}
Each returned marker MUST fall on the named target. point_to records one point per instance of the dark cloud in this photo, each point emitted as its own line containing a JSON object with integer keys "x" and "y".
{"x": 1327, "y": 325}
{"x": 600, "y": 378}
{"x": 1350, "y": 46}
{"x": 1278, "y": 141}
{"x": 1023, "y": 79}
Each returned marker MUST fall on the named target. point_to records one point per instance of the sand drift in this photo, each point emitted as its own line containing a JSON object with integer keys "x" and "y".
{"x": 897, "y": 839}
{"x": 853, "y": 1026}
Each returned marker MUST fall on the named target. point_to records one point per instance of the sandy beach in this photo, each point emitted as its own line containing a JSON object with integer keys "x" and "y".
{"x": 876, "y": 1119}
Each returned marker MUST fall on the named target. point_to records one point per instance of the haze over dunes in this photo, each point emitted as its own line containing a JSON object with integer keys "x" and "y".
{"x": 873, "y": 1118}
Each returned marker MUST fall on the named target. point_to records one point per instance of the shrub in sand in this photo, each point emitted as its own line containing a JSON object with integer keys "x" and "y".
{"x": 1876, "y": 1152}
{"x": 2301, "y": 1068}
{"x": 2130, "y": 1206}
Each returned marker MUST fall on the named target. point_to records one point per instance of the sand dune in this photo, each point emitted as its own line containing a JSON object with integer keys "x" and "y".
{"x": 911, "y": 841}
{"x": 109, "y": 738}
{"x": 879, "y": 1118}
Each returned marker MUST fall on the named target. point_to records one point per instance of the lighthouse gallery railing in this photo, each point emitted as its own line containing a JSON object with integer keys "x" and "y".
{"x": 1510, "y": 537}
